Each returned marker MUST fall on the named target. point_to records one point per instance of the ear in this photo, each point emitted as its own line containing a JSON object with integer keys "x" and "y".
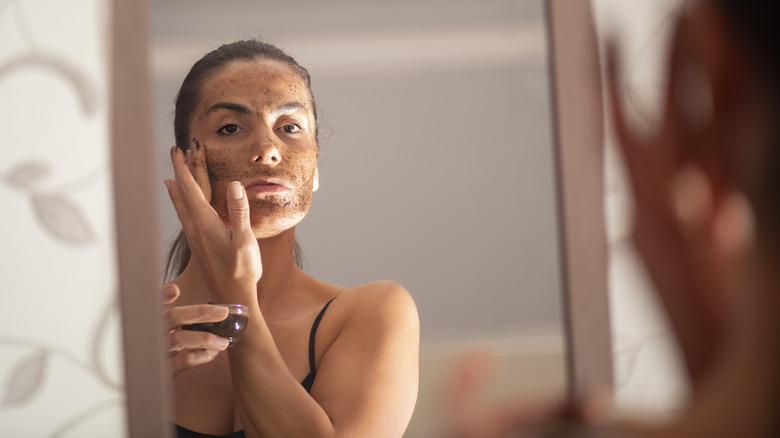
{"x": 316, "y": 183}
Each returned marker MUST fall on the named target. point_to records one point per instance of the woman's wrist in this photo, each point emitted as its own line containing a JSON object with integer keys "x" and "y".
{"x": 236, "y": 294}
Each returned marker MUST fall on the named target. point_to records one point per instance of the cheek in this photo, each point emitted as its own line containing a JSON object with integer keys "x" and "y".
{"x": 302, "y": 166}
{"x": 303, "y": 163}
{"x": 220, "y": 166}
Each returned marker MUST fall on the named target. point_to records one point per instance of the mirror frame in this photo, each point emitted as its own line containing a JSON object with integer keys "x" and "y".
{"x": 578, "y": 131}
{"x": 578, "y": 135}
{"x": 134, "y": 173}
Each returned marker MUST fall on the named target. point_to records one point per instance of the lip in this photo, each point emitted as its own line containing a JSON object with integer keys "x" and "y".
{"x": 267, "y": 185}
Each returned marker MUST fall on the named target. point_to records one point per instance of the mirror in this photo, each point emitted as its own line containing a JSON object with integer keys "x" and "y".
{"x": 437, "y": 165}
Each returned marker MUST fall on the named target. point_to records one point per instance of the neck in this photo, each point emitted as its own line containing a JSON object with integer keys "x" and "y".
{"x": 279, "y": 268}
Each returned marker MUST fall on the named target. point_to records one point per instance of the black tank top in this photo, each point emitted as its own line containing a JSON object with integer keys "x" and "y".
{"x": 307, "y": 382}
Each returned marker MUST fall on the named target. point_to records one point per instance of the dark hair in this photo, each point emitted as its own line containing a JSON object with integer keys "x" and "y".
{"x": 187, "y": 100}
{"x": 754, "y": 22}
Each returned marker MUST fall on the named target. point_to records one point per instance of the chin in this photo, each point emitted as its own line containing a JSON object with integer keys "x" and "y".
{"x": 265, "y": 225}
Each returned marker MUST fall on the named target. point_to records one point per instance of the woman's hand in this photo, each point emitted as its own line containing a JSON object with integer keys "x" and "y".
{"x": 691, "y": 228}
{"x": 228, "y": 255}
{"x": 186, "y": 348}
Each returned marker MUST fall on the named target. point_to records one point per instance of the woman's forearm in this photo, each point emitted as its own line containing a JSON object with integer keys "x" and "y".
{"x": 271, "y": 402}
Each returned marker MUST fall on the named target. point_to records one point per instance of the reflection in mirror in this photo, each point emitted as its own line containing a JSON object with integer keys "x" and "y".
{"x": 436, "y": 165}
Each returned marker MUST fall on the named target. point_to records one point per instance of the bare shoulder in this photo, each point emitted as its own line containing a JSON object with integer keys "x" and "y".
{"x": 380, "y": 304}
{"x": 379, "y": 298}
{"x": 368, "y": 376}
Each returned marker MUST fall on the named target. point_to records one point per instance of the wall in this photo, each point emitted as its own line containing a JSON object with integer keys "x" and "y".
{"x": 60, "y": 351}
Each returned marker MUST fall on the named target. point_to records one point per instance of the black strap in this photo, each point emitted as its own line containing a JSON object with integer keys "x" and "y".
{"x": 313, "y": 334}
{"x": 308, "y": 381}
{"x": 182, "y": 432}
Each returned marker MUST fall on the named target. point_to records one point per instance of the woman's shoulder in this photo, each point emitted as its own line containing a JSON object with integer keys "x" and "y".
{"x": 378, "y": 300}
{"x": 374, "y": 304}
{"x": 374, "y": 292}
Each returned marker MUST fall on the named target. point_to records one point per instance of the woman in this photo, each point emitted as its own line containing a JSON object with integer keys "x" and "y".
{"x": 316, "y": 359}
{"x": 707, "y": 221}
{"x": 707, "y": 213}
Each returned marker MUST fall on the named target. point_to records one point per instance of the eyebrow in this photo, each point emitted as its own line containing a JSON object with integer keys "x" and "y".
{"x": 289, "y": 107}
{"x": 242, "y": 109}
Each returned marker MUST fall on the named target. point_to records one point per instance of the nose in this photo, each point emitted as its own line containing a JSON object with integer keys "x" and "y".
{"x": 267, "y": 152}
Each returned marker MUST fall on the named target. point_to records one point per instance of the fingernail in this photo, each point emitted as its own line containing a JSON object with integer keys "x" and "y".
{"x": 223, "y": 343}
{"x": 691, "y": 198}
{"x": 221, "y": 312}
{"x": 167, "y": 183}
{"x": 235, "y": 191}
{"x": 733, "y": 228}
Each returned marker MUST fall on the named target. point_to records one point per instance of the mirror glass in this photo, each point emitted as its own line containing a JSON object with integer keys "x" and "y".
{"x": 436, "y": 163}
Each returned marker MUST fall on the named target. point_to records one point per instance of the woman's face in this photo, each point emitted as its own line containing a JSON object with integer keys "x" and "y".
{"x": 256, "y": 122}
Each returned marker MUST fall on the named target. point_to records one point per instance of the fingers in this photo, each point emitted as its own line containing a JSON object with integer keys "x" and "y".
{"x": 723, "y": 226}
{"x": 691, "y": 198}
{"x": 238, "y": 210}
{"x": 183, "y": 176}
{"x": 183, "y": 315}
{"x": 632, "y": 150}
{"x": 734, "y": 227}
{"x": 181, "y": 340}
{"x": 185, "y": 359}
{"x": 191, "y": 348}
{"x": 174, "y": 193}
{"x": 196, "y": 158}
{"x": 188, "y": 197}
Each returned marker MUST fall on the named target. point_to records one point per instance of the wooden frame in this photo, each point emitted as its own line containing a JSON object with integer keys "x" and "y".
{"x": 134, "y": 173}
{"x": 576, "y": 97}
{"x": 578, "y": 131}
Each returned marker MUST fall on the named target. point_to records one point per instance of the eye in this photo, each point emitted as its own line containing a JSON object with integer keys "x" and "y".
{"x": 229, "y": 129}
{"x": 291, "y": 128}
